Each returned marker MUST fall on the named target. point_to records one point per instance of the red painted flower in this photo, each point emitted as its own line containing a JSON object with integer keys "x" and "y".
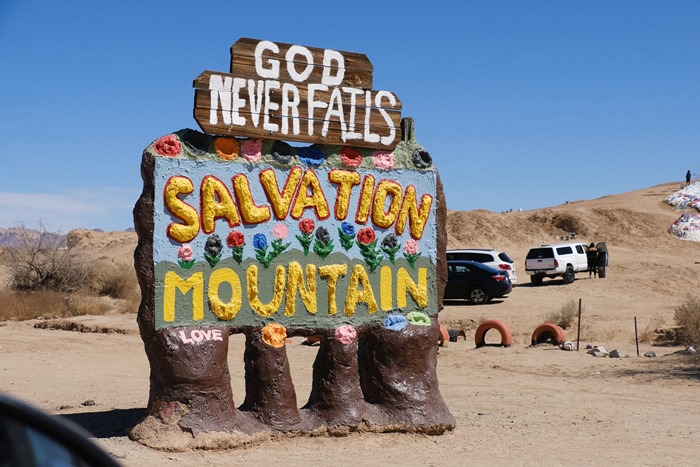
{"x": 168, "y": 145}
{"x": 307, "y": 226}
{"x": 350, "y": 157}
{"x": 366, "y": 236}
{"x": 235, "y": 239}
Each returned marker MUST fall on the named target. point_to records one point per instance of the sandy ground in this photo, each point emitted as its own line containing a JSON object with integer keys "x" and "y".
{"x": 520, "y": 405}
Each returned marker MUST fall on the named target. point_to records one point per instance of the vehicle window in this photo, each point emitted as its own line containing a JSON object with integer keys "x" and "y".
{"x": 460, "y": 269}
{"x": 565, "y": 250}
{"x": 579, "y": 248}
{"x": 459, "y": 255}
{"x": 505, "y": 257}
{"x": 482, "y": 257}
{"x": 537, "y": 253}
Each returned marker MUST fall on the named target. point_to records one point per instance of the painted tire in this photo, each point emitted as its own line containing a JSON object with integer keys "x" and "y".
{"x": 444, "y": 336}
{"x": 548, "y": 332}
{"x": 500, "y": 326}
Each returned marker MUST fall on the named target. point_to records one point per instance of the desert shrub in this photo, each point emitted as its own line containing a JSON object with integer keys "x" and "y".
{"x": 565, "y": 316}
{"x": 79, "y": 305}
{"x": 687, "y": 317}
{"x": 31, "y": 305}
{"x": 39, "y": 262}
{"x": 116, "y": 280}
{"x": 650, "y": 333}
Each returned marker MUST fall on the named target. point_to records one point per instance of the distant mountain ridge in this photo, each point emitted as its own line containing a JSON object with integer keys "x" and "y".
{"x": 14, "y": 237}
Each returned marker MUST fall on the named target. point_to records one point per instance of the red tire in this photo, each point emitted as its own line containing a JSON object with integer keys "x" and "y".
{"x": 548, "y": 332}
{"x": 444, "y": 336}
{"x": 500, "y": 326}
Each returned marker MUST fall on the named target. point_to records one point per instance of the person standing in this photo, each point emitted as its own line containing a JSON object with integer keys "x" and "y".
{"x": 687, "y": 178}
{"x": 591, "y": 256}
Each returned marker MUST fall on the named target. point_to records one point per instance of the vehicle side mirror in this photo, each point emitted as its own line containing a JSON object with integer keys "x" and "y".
{"x": 31, "y": 437}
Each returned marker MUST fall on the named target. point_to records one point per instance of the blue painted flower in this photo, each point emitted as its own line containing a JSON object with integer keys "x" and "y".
{"x": 347, "y": 228}
{"x": 311, "y": 155}
{"x": 259, "y": 241}
{"x": 395, "y": 322}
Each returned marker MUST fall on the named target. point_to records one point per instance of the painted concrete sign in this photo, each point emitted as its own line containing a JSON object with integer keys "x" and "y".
{"x": 297, "y": 93}
{"x": 317, "y": 240}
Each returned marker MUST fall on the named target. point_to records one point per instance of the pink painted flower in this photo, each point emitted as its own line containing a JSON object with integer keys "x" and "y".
{"x": 383, "y": 160}
{"x": 280, "y": 231}
{"x": 168, "y": 145}
{"x": 350, "y": 157}
{"x": 251, "y": 149}
{"x": 345, "y": 334}
{"x": 411, "y": 247}
{"x": 185, "y": 252}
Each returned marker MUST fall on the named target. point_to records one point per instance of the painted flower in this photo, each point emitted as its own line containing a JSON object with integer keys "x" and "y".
{"x": 367, "y": 242}
{"x": 383, "y": 160}
{"x": 390, "y": 245}
{"x": 311, "y": 155}
{"x": 411, "y": 247}
{"x": 185, "y": 252}
{"x": 307, "y": 226}
{"x": 323, "y": 246}
{"x": 395, "y": 322}
{"x": 322, "y": 235}
{"x": 281, "y": 153}
{"x": 212, "y": 249}
{"x": 185, "y": 256}
{"x": 421, "y": 159}
{"x": 251, "y": 149}
{"x": 418, "y": 318}
{"x": 235, "y": 239}
{"x": 346, "y": 232}
{"x": 350, "y": 157}
{"x": 366, "y": 236}
{"x": 259, "y": 241}
{"x": 168, "y": 145}
{"x": 226, "y": 148}
{"x": 345, "y": 334}
{"x": 410, "y": 252}
{"x": 280, "y": 231}
{"x": 274, "y": 335}
{"x": 347, "y": 228}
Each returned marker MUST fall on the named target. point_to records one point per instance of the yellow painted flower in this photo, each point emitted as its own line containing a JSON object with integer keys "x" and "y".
{"x": 274, "y": 335}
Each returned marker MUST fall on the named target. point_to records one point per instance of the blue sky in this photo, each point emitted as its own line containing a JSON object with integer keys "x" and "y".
{"x": 522, "y": 105}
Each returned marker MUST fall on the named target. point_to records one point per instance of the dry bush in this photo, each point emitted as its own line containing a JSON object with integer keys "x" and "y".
{"x": 565, "y": 316}
{"x": 116, "y": 280}
{"x": 687, "y": 317}
{"x": 79, "y": 305}
{"x": 40, "y": 262}
{"x": 31, "y": 305}
{"x": 649, "y": 334}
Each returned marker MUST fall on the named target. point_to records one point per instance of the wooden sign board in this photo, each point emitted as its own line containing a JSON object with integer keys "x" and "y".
{"x": 296, "y": 93}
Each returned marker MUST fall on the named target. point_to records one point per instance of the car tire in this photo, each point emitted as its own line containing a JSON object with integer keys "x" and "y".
{"x": 569, "y": 275}
{"x": 601, "y": 272}
{"x": 478, "y": 296}
{"x": 536, "y": 279}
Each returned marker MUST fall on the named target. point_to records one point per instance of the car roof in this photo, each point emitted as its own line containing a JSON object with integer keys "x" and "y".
{"x": 463, "y": 250}
{"x": 476, "y": 264}
{"x": 555, "y": 245}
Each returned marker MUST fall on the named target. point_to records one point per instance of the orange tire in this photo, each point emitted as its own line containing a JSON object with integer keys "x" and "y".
{"x": 500, "y": 326}
{"x": 548, "y": 332}
{"x": 444, "y": 336}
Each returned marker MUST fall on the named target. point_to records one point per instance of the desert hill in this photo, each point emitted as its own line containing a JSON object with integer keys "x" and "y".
{"x": 636, "y": 222}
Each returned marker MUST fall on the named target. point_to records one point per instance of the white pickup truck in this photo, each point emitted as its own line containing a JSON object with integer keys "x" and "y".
{"x": 557, "y": 260}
